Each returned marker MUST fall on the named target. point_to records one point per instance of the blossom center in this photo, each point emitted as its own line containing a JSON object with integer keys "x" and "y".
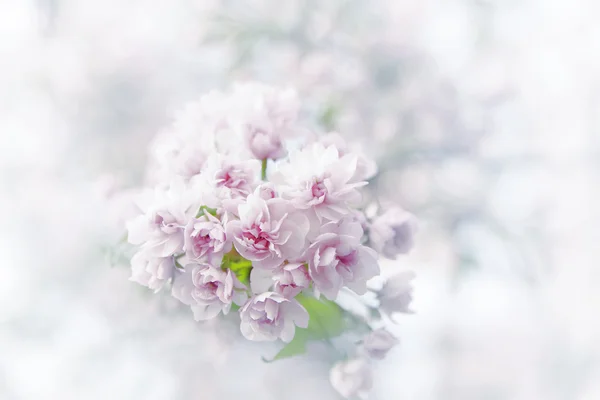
{"x": 318, "y": 189}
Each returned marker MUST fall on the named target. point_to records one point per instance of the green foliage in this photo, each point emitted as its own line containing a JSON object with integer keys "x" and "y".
{"x": 206, "y": 210}
{"x": 238, "y": 265}
{"x": 326, "y": 321}
{"x": 329, "y": 117}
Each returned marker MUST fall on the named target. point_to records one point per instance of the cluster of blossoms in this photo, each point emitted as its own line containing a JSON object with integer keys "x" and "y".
{"x": 251, "y": 211}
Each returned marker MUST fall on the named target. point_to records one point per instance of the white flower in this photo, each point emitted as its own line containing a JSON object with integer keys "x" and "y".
{"x": 317, "y": 178}
{"x": 205, "y": 239}
{"x": 268, "y": 231}
{"x": 291, "y": 279}
{"x": 152, "y": 272}
{"x": 396, "y": 293}
{"x": 392, "y": 233}
{"x": 366, "y": 168}
{"x": 165, "y": 213}
{"x": 280, "y": 106}
{"x": 183, "y": 148}
{"x": 351, "y": 378}
{"x": 208, "y": 290}
{"x": 336, "y": 259}
{"x": 269, "y": 316}
{"x": 377, "y": 343}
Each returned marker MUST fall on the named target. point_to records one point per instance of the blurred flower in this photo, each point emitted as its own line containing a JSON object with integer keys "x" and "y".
{"x": 377, "y": 343}
{"x": 208, "y": 290}
{"x": 165, "y": 214}
{"x": 150, "y": 271}
{"x": 269, "y": 316}
{"x": 396, "y": 293}
{"x": 392, "y": 233}
{"x": 366, "y": 168}
{"x": 353, "y": 377}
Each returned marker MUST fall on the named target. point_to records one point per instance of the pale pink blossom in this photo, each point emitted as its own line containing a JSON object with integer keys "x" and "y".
{"x": 152, "y": 272}
{"x": 268, "y": 231}
{"x": 266, "y": 191}
{"x": 336, "y": 259}
{"x": 352, "y": 378}
{"x": 208, "y": 290}
{"x": 206, "y": 239}
{"x": 226, "y": 177}
{"x": 317, "y": 178}
{"x": 263, "y": 139}
{"x": 183, "y": 148}
{"x": 270, "y": 316}
{"x": 165, "y": 213}
{"x": 392, "y": 233}
{"x": 378, "y": 343}
{"x": 397, "y": 293}
{"x": 291, "y": 279}
{"x": 366, "y": 167}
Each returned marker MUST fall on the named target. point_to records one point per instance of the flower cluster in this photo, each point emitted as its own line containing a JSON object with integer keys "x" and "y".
{"x": 251, "y": 211}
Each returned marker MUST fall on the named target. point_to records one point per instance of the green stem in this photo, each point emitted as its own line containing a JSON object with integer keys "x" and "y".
{"x": 263, "y": 170}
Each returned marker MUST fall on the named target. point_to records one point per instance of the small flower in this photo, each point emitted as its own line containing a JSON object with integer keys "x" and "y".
{"x": 351, "y": 378}
{"x": 266, "y": 191}
{"x": 165, "y": 214}
{"x": 392, "y": 233}
{"x": 205, "y": 239}
{"x": 336, "y": 259}
{"x": 396, "y": 293}
{"x": 263, "y": 140}
{"x": 269, "y": 316}
{"x": 291, "y": 279}
{"x": 208, "y": 290}
{"x": 152, "y": 272}
{"x": 377, "y": 343}
{"x": 268, "y": 231}
{"x": 317, "y": 178}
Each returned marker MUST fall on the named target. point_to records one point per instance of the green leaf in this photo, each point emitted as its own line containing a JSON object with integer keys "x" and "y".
{"x": 329, "y": 117}
{"x": 326, "y": 317}
{"x": 206, "y": 210}
{"x": 238, "y": 265}
{"x": 326, "y": 321}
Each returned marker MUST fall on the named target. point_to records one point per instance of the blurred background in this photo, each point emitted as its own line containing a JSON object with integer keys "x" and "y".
{"x": 483, "y": 114}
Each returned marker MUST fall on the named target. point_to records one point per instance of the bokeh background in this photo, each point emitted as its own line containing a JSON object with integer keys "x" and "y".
{"x": 483, "y": 114}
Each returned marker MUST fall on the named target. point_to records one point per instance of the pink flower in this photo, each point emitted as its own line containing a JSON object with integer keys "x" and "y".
{"x": 269, "y": 316}
{"x": 165, "y": 213}
{"x": 291, "y": 279}
{"x": 352, "y": 378}
{"x": 208, "y": 290}
{"x": 206, "y": 240}
{"x": 377, "y": 343}
{"x": 396, "y": 293}
{"x": 336, "y": 259}
{"x": 264, "y": 141}
{"x": 266, "y": 191}
{"x": 268, "y": 232}
{"x": 152, "y": 272}
{"x": 317, "y": 178}
{"x": 392, "y": 233}
{"x": 230, "y": 178}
